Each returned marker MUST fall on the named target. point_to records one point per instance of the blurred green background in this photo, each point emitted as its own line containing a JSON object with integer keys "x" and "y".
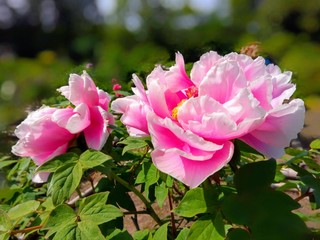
{"x": 42, "y": 41}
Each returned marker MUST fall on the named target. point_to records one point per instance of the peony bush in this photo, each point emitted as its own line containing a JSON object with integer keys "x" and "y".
{"x": 205, "y": 150}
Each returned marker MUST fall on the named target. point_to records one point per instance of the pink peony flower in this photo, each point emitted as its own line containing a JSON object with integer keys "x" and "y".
{"x": 90, "y": 114}
{"x": 47, "y": 132}
{"x": 41, "y": 138}
{"x": 193, "y": 120}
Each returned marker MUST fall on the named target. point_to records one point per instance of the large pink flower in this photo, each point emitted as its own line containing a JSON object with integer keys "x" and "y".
{"x": 90, "y": 114}
{"x": 193, "y": 120}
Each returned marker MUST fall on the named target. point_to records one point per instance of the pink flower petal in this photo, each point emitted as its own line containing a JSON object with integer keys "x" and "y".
{"x": 74, "y": 120}
{"x": 262, "y": 90}
{"x": 177, "y": 78}
{"x": 139, "y": 89}
{"x": 104, "y": 99}
{"x": 40, "y": 138}
{"x": 81, "y": 89}
{"x": 252, "y": 68}
{"x": 167, "y": 134}
{"x": 281, "y": 125}
{"x": 202, "y": 67}
{"x": 134, "y": 114}
{"x": 206, "y": 117}
{"x": 223, "y": 82}
{"x": 96, "y": 134}
{"x": 157, "y": 99}
{"x": 191, "y": 173}
{"x": 282, "y": 88}
{"x": 211, "y": 120}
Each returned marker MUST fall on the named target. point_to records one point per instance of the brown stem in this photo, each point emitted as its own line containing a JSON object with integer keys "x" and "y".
{"x": 177, "y": 189}
{"x": 306, "y": 194}
{"x": 26, "y": 230}
{"x": 135, "y": 222}
{"x": 174, "y": 231}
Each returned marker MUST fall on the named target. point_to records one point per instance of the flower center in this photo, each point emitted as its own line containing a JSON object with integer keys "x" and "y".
{"x": 175, "y": 110}
{"x": 190, "y": 92}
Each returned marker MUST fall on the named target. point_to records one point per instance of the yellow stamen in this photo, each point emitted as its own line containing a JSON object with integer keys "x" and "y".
{"x": 175, "y": 110}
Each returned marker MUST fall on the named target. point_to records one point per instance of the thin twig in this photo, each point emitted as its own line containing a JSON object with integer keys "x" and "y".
{"x": 177, "y": 189}
{"x": 174, "y": 231}
{"x": 306, "y": 194}
{"x": 26, "y": 230}
{"x": 135, "y": 222}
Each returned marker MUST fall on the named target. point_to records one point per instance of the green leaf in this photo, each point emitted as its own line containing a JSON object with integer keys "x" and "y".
{"x": 161, "y": 193}
{"x": 312, "y": 164}
{"x": 255, "y": 176}
{"x": 142, "y": 235}
{"x": 196, "y": 201}
{"x": 60, "y": 217}
{"x": 315, "y": 144}
{"x": 297, "y": 155}
{"x": 238, "y": 234}
{"x": 7, "y": 163}
{"x": 161, "y": 233}
{"x": 169, "y": 181}
{"x": 313, "y": 183}
{"x": 118, "y": 194}
{"x": 92, "y": 158}
{"x": 4, "y": 236}
{"x": 5, "y": 223}
{"x": 148, "y": 175}
{"x": 279, "y": 177}
{"x": 287, "y": 186}
{"x": 67, "y": 232}
{"x": 87, "y": 230}
{"x": 94, "y": 209}
{"x": 207, "y": 228}
{"x": 7, "y": 193}
{"x": 64, "y": 181}
{"x": 183, "y": 234}
{"x": 57, "y": 162}
{"x": 23, "y": 209}
{"x": 47, "y": 206}
{"x": 117, "y": 234}
{"x": 251, "y": 207}
{"x": 133, "y": 143}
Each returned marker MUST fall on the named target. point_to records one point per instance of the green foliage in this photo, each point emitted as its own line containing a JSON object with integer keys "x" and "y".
{"x": 313, "y": 183}
{"x": 134, "y": 143}
{"x": 91, "y": 158}
{"x": 237, "y": 207}
{"x": 256, "y": 199}
{"x": 315, "y": 144}
{"x": 208, "y": 228}
{"x": 196, "y": 201}
{"x": 93, "y": 209}
{"x": 83, "y": 224}
{"x": 161, "y": 193}
{"x": 64, "y": 182}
